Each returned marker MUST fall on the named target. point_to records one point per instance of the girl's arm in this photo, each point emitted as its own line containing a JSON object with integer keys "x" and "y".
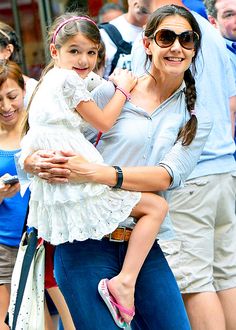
{"x": 104, "y": 119}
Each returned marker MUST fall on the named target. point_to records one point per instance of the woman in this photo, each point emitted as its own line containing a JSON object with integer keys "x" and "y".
{"x": 155, "y": 134}
{"x": 12, "y": 205}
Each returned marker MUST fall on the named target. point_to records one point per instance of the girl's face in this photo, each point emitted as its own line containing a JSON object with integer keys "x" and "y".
{"x": 175, "y": 59}
{"x": 78, "y": 53}
{"x": 11, "y": 103}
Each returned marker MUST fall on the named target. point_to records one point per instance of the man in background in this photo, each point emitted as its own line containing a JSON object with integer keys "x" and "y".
{"x": 222, "y": 15}
{"x": 129, "y": 25}
{"x": 109, "y": 11}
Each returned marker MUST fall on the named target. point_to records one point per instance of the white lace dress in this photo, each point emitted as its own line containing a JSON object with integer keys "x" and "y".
{"x": 67, "y": 212}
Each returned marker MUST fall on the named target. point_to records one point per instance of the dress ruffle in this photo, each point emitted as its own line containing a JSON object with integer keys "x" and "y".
{"x": 63, "y": 214}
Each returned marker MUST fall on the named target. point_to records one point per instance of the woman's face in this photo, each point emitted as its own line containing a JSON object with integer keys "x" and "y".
{"x": 175, "y": 59}
{"x": 11, "y": 103}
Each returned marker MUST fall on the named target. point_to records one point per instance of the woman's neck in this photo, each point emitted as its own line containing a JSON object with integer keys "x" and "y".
{"x": 161, "y": 85}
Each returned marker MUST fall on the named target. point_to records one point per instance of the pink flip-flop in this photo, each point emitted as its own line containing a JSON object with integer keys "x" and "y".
{"x": 113, "y": 306}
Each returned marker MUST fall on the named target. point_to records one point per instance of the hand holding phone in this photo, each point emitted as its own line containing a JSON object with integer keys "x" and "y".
{"x": 10, "y": 180}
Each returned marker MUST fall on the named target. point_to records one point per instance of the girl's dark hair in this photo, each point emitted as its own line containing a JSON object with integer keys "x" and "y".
{"x": 8, "y": 36}
{"x": 188, "y": 132}
{"x": 11, "y": 70}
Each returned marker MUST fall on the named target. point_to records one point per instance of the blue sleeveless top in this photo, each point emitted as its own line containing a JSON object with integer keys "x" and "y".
{"x": 12, "y": 210}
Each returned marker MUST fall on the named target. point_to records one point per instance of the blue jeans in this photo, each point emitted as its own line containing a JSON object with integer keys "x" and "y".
{"x": 79, "y": 266}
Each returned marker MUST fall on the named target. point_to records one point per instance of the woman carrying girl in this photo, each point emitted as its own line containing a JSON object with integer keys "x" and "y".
{"x": 61, "y": 108}
{"x": 155, "y": 145}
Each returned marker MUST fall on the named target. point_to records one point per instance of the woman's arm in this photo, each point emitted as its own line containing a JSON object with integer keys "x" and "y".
{"x": 75, "y": 169}
{"x": 7, "y": 190}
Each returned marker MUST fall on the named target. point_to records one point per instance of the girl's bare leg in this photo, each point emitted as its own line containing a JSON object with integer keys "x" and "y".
{"x": 150, "y": 212}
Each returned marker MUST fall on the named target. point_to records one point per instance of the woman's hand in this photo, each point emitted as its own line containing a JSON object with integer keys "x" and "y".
{"x": 55, "y": 167}
{"x": 124, "y": 79}
{"x": 7, "y": 190}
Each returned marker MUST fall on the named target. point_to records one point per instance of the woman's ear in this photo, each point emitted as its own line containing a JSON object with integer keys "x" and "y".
{"x": 146, "y": 44}
{"x": 7, "y": 51}
{"x": 53, "y": 51}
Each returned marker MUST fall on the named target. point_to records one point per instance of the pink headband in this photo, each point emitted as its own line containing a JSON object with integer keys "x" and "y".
{"x": 73, "y": 18}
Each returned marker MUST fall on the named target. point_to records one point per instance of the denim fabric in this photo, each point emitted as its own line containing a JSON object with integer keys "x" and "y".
{"x": 79, "y": 266}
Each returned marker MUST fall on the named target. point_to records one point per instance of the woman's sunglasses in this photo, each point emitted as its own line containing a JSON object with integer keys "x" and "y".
{"x": 165, "y": 38}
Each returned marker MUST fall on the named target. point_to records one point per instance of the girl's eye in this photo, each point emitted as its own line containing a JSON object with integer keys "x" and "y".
{"x": 74, "y": 51}
{"x": 92, "y": 52}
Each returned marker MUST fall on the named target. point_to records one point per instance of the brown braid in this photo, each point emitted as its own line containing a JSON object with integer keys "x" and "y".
{"x": 188, "y": 132}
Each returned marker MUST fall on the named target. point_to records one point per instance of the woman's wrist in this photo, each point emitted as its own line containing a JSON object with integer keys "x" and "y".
{"x": 119, "y": 177}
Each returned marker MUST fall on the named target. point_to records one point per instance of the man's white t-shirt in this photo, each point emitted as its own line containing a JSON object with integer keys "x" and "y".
{"x": 129, "y": 32}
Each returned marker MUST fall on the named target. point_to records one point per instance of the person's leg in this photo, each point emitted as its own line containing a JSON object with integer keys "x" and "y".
{"x": 4, "y": 303}
{"x": 225, "y": 248}
{"x": 79, "y": 267}
{"x": 7, "y": 262}
{"x": 158, "y": 301}
{"x": 204, "y": 311}
{"x": 150, "y": 212}
{"x": 193, "y": 210}
{"x": 62, "y": 308}
{"x": 228, "y": 299}
{"x": 53, "y": 290}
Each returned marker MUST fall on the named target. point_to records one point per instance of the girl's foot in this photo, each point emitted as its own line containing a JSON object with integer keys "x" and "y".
{"x": 124, "y": 296}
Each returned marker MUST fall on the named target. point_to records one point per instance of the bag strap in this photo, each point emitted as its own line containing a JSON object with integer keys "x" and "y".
{"x": 28, "y": 257}
{"x": 123, "y": 47}
{"x": 98, "y": 139}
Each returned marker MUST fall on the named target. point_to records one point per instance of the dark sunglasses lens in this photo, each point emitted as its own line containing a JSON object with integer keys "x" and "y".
{"x": 165, "y": 38}
{"x": 187, "y": 39}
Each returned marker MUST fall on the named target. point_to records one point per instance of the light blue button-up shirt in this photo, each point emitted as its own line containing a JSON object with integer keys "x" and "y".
{"x": 142, "y": 139}
{"x": 213, "y": 65}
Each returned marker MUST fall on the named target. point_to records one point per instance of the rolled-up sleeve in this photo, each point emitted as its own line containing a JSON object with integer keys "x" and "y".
{"x": 181, "y": 160}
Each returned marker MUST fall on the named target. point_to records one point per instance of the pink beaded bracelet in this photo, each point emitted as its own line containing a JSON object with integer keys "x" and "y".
{"x": 127, "y": 95}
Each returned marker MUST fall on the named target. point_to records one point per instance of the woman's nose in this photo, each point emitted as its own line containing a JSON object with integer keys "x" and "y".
{"x": 5, "y": 105}
{"x": 176, "y": 45}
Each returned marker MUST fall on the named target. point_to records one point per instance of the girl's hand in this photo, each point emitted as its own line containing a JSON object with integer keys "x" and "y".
{"x": 123, "y": 78}
{"x": 7, "y": 190}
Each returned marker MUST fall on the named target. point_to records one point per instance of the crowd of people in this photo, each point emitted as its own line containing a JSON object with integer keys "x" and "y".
{"x": 141, "y": 224}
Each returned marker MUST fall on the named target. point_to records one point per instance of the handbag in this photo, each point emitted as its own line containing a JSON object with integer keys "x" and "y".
{"x": 26, "y": 309}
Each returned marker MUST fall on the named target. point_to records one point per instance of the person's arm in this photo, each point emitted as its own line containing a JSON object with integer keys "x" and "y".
{"x": 8, "y": 191}
{"x": 104, "y": 119}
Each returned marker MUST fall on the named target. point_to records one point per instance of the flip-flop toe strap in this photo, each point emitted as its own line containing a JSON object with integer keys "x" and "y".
{"x": 130, "y": 312}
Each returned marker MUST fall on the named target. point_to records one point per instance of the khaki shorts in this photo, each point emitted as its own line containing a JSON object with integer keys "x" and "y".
{"x": 203, "y": 255}
{"x": 7, "y": 261}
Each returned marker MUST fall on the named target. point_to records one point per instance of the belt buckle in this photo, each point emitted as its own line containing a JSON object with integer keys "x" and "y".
{"x": 118, "y": 240}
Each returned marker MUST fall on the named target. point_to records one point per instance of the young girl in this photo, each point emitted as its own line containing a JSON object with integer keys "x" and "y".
{"x": 60, "y": 110}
